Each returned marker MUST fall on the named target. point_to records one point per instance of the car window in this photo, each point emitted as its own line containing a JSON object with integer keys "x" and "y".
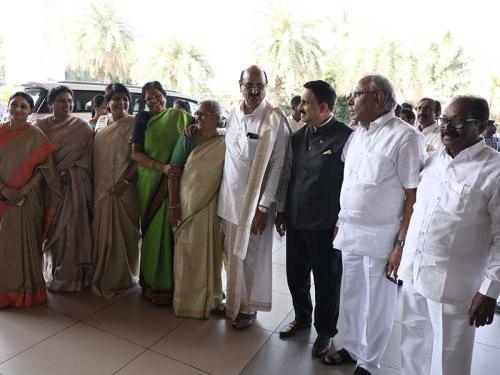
{"x": 39, "y": 96}
{"x": 82, "y": 100}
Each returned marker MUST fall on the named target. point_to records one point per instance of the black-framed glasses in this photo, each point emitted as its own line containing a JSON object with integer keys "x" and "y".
{"x": 457, "y": 123}
{"x": 356, "y": 94}
{"x": 250, "y": 86}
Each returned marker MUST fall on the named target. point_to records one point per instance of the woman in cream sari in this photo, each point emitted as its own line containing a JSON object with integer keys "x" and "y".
{"x": 153, "y": 139}
{"x": 26, "y": 172}
{"x": 193, "y": 211}
{"x": 115, "y": 227}
{"x": 68, "y": 249}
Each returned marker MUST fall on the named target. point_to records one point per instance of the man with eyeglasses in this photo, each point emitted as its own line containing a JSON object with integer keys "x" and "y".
{"x": 256, "y": 143}
{"x": 451, "y": 261}
{"x": 427, "y": 112}
{"x": 383, "y": 158}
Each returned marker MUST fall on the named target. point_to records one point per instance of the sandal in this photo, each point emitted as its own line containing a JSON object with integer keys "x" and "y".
{"x": 243, "y": 321}
{"x": 332, "y": 359}
{"x": 220, "y": 309}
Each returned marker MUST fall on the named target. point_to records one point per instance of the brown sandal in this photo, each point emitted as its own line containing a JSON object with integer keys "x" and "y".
{"x": 332, "y": 360}
{"x": 243, "y": 321}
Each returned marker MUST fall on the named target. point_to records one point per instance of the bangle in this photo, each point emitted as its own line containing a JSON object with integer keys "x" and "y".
{"x": 262, "y": 208}
{"x": 400, "y": 243}
{"x": 126, "y": 181}
{"x": 173, "y": 206}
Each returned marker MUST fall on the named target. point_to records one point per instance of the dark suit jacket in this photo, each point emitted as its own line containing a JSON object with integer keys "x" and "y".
{"x": 316, "y": 176}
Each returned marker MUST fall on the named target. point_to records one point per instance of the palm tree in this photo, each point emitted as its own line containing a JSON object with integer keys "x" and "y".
{"x": 180, "y": 65}
{"x": 289, "y": 49}
{"x": 102, "y": 43}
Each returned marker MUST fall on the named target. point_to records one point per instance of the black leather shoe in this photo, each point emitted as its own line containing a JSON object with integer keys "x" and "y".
{"x": 292, "y": 328}
{"x": 361, "y": 371}
{"x": 321, "y": 345}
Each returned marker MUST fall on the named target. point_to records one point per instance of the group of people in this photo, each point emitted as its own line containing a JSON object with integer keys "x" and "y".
{"x": 168, "y": 199}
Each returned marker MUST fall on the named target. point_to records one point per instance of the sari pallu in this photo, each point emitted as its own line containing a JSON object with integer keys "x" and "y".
{"x": 161, "y": 135}
{"x": 198, "y": 245}
{"x": 115, "y": 226}
{"x": 25, "y": 154}
{"x": 68, "y": 249}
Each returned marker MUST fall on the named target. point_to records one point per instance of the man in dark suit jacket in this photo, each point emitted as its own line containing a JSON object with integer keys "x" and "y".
{"x": 313, "y": 175}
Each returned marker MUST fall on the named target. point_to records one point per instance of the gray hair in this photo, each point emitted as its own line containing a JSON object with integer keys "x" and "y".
{"x": 214, "y": 105}
{"x": 382, "y": 83}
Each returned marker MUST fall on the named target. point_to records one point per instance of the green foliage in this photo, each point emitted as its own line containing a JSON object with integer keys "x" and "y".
{"x": 341, "y": 109}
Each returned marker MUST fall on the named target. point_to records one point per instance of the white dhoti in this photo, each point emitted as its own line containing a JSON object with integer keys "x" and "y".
{"x": 369, "y": 308}
{"x": 428, "y": 324}
{"x": 249, "y": 281}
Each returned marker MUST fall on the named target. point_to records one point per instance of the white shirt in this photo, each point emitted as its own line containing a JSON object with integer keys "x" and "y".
{"x": 294, "y": 124}
{"x": 453, "y": 242}
{"x": 240, "y": 152}
{"x": 379, "y": 164}
{"x": 432, "y": 136}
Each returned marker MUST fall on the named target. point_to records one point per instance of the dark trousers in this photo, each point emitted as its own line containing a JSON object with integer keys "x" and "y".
{"x": 308, "y": 251}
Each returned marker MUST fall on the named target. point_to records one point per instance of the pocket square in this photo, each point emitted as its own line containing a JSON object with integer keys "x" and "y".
{"x": 327, "y": 152}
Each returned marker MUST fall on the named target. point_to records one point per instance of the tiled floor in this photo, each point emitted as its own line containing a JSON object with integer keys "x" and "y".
{"x": 84, "y": 334}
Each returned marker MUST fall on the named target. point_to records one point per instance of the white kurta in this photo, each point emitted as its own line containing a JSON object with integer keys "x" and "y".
{"x": 452, "y": 252}
{"x": 249, "y": 280}
{"x": 294, "y": 124}
{"x": 432, "y": 136}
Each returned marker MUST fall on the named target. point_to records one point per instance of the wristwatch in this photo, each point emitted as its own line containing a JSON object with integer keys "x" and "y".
{"x": 263, "y": 209}
{"x": 400, "y": 243}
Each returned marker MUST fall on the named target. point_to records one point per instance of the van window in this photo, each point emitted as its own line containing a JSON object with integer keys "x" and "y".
{"x": 39, "y": 96}
{"x": 82, "y": 100}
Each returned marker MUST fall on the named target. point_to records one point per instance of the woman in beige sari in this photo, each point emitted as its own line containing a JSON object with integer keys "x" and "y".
{"x": 68, "y": 249}
{"x": 26, "y": 169}
{"x": 193, "y": 211}
{"x": 115, "y": 227}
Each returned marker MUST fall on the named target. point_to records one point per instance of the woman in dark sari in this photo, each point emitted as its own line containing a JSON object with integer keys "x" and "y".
{"x": 154, "y": 136}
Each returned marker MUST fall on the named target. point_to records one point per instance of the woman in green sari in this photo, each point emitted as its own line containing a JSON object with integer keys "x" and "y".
{"x": 154, "y": 136}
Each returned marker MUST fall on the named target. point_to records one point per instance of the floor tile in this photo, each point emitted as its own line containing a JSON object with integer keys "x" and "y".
{"x": 136, "y": 319}
{"x": 22, "y": 328}
{"x": 279, "y": 279}
{"x": 151, "y": 363}
{"x": 279, "y": 357}
{"x": 282, "y": 305}
{"x": 485, "y": 360}
{"x": 80, "y": 349}
{"x": 77, "y": 305}
{"x": 490, "y": 335}
{"x": 212, "y": 345}
{"x": 279, "y": 256}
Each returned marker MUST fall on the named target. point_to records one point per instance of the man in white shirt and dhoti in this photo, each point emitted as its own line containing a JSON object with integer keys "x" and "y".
{"x": 383, "y": 158}
{"x": 451, "y": 261}
{"x": 256, "y": 144}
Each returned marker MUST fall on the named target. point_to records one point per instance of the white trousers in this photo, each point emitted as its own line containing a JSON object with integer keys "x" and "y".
{"x": 249, "y": 281}
{"x": 369, "y": 308}
{"x": 428, "y": 324}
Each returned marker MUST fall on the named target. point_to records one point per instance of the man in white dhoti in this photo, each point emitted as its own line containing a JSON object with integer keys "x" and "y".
{"x": 451, "y": 261}
{"x": 383, "y": 159}
{"x": 256, "y": 143}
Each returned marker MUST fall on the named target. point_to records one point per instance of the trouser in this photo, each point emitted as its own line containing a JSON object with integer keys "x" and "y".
{"x": 308, "y": 251}
{"x": 369, "y": 302}
{"x": 428, "y": 324}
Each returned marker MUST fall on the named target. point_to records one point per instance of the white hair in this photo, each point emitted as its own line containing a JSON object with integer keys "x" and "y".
{"x": 380, "y": 82}
{"x": 214, "y": 105}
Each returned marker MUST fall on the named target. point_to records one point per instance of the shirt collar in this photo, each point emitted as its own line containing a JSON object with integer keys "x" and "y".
{"x": 314, "y": 129}
{"x": 258, "y": 112}
{"x": 381, "y": 121}
{"x": 470, "y": 152}
{"x": 430, "y": 129}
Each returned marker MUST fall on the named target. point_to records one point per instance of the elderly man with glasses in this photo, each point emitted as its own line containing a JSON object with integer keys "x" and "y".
{"x": 451, "y": 261}
{"x": 383, "y": 158}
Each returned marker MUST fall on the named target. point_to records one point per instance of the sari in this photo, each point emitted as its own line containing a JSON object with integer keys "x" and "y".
{"x": 161, "y": 135}
{"x": 25, "y": 157}
{"x": 198, "y": 243}
{"x": 68, "y": 248}
{"x": 115, "y": 226}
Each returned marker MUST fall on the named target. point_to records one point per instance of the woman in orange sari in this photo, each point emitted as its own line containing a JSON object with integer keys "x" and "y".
{"x": 26, "y": 169}
{"x": 68, "y": 250}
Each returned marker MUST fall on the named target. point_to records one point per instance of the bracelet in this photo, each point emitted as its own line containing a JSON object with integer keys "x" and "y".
{"x": 262, "y": 208}
{"x": 400, "y": 243}
{"x": 126, "y": 181}
{"x": 173, "y": 206}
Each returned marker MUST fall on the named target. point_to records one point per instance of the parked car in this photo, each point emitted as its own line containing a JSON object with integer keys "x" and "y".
{"x": 85, "y": 91}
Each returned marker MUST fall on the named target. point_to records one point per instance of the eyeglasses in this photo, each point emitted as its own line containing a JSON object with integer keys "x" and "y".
{"x": 153, "y": 99}
{"x": 357, "y": 94}
{"x": 250, "y": 86}
{"x": 457, "y": 123}
{"x": 200, "y": 115}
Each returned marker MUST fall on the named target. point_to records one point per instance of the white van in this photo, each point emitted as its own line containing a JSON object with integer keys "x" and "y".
{"x": 85, "y": 91}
